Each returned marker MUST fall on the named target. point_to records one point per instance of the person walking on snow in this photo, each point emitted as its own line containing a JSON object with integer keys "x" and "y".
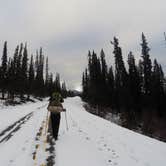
{"x": 55, "y": 108}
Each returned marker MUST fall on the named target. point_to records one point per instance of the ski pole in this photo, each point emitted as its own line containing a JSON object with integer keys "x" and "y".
{"x": 67, "y": 127}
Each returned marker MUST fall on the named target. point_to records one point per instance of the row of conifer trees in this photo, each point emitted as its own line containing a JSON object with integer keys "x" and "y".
{"x": 139, "y": 87}
{"x": 22, "y": 77}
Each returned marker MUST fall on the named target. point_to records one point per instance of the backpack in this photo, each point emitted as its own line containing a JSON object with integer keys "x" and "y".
{"x": 55, "y": 109}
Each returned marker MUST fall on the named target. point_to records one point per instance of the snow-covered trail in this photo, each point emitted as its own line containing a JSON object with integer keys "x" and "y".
{"x": 94, "y": 141}
{"x": 18, "y": 133}
{"x": 90, "y": 140}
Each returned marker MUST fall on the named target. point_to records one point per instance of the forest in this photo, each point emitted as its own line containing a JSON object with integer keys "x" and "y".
{"x": 22, "y": 76}
{"x": 137, "y": 91}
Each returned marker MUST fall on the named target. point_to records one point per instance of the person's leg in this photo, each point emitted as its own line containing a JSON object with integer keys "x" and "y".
{"x": 53, "y": 121}
{"x": 56, "y": 127}
{"x": 58, "y": 122}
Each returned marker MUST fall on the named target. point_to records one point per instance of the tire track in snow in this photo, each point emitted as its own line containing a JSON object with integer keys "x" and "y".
{"x": 12, "y": 129}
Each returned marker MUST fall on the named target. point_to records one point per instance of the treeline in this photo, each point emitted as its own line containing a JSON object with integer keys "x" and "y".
{"x": 22, "y": 77}
{"x": 136, "y": 89}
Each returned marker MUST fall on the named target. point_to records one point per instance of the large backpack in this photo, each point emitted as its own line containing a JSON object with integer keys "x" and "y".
{"x": 55, "y": 109}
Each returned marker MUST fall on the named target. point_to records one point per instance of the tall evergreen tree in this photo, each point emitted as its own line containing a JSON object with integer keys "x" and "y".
{"x": 57, "y": 83}
{"x": 24, "y": 71}
{"x": 16, "y": 85}
{"x": 11, "y": 79}
{"x": 47, "y": 74}
{"x": 147, "y": 66}
{"x": 51, "y": 86}
{"x": 103, "y": 67}
{"x": 85, "y": 84}
{"x": 4, "y": 70}
{"x": 31, "y": 77}
{"x": 36, "y": 62}
{"x": 104, "y": 73}
{"x": 64, "y": 90}
{"x": 121, "y": 77}
{"x": 41, "y": 65}
{"x": 110, "y": 86}
{"x": 134, "y": 82}
{"x": 46, "y": 77}
{"x": 17, "y": 61}
{"x": 157, "y": 86}
{"x": 39, "y": 80}
{"x": 95, "y": 79}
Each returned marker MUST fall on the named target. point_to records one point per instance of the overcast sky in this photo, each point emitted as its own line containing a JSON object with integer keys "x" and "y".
{"x": 67, "y": 29}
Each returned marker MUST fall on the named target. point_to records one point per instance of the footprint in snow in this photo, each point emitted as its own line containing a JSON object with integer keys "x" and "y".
{"x": 114, "y": 156}
{"x": 80, "y": 130}
{"x": 109, "y": 161}
{"x": 87, "y": 138}
{"x": 105, "y": 145}
{"x": 23, "y": 149}
{"x": 115, "y": 163}
{"x": 100, "y": 149}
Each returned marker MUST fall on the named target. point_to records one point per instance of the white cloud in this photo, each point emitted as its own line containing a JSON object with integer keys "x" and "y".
{"x": 67, "y": 29}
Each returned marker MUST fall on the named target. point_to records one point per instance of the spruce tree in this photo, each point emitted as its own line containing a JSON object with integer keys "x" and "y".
{"x": 64, "y": 90}
{"x": 121, "y": 77}
{"x": 103, "y": 67}
{"x": 17, "y": 70}
{"x": 46, "y": 77}
{"x": 95, "y": 79}
{"x": 24, "y": 71}
{"x": 31, "y": 77}
{"x": 104, "y": 74}
{"x": 85, "y": 84}
{"x": 39, "y": 80}
{"x": 57, "y": 83}
{"x": 157, "y": 86}
{"x": 110, "y": 87}
{"x": 134, "y": 82}
{"x": 36, "y": 62}
{"x": 4, "y": 70}
{"x": 11, "y": 79}
{"x": 51, "y": 86}
{"x": 147, "y": 66}
{"x": 15, "y": 86}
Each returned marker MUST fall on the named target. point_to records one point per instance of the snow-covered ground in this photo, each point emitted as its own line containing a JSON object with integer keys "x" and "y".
{"x": 90, "y": 140}
{"x": 18, "y": 128}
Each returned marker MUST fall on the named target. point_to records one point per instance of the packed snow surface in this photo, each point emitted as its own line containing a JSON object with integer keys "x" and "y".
{"x": 89, "y": 141}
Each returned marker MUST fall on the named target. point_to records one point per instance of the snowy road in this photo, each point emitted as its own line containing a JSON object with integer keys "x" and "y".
{"x": 90, "y": 140}
{"x": 18, "y": 128}
{"x": 7, "y": 133}
{"x": 93, "y": 141}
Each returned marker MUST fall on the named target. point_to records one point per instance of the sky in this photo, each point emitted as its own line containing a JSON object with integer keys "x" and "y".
{"x": 68, "y": 29}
